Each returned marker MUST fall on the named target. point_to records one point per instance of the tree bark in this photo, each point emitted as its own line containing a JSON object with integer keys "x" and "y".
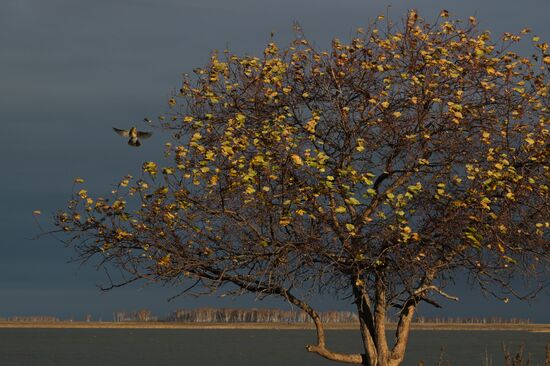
{"x": 402, "y": 333}
{"x": 373, "y": 326}
{"x": 380, "y": 320}
{"x": 366, "y": 324}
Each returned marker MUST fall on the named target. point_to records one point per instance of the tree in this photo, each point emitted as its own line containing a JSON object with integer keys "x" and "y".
{"x": 378, "y": 170}
{"x": 143, "y": 315}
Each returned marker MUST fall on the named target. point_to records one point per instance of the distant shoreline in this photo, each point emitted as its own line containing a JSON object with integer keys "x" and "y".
{"x": 539, "y": 328}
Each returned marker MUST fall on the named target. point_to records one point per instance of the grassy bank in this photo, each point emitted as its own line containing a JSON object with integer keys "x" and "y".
{"x": 273, "y": 326}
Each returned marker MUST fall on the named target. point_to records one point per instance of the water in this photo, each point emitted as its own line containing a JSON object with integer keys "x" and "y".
{"x": 140, "y": 347}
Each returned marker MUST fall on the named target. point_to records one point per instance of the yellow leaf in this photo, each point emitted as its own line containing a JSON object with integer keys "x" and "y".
{"x": 350, "y": 227}
{"x": 296, "y": 159}
{"x": 240, "y": 118}
{"x": 310, "y": 125}
{"x": 360, "y": 145}
{"x": 385, "y": 104}
{"x": 479, "y": 52}
{"x": 485, "y": 203}
{"x": 340, "y": 209}
{"x": 284, "y": 221}
{"x": 119, "y": 204}
{"x": 79, "y": 180}
{"x": 519, "y": 90}
{"x": 353, "y": 201}
{"x": 529, "y": 141}
{"x": 209, "y": 155}
{"x": 227, "y": 150}
{"x": 164, "y": 261}
{"x": 397, "y": 114}
{"x": 423, "y": 162}
{"x": 150, "y": 167}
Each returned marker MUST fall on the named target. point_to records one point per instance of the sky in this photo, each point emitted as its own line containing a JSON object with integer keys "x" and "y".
{"x": 70, "y": 70}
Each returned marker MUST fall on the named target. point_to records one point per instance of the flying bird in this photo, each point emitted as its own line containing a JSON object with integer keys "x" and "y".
{"x": 134, "y": 135}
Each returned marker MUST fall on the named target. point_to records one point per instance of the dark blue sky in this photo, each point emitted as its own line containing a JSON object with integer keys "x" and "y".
{"x": 70, "y": 70}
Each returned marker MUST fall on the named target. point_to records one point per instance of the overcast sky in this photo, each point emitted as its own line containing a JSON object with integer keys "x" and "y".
{"x": 72, "y": 69}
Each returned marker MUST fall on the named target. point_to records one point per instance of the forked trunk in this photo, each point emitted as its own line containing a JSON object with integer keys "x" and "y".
{"x": 380, "y": 354}
{"x": 373, "y": 326}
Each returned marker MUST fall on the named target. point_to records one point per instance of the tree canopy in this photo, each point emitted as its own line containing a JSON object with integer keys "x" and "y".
{"x": 377, "y": 170}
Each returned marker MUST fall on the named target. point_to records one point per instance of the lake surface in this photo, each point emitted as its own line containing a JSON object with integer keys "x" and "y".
{"x": 140, "y": 347}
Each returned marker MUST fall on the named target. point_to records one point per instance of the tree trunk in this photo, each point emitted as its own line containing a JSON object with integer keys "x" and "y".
{"x": 373, "y": 326}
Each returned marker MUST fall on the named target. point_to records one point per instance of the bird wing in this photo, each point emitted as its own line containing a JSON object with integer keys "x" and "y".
{"x": 144, "y": 135}
{"x": 123, "y": 133}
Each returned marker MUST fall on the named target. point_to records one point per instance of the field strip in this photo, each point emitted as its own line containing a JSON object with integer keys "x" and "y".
{"x": 539, "y": 328}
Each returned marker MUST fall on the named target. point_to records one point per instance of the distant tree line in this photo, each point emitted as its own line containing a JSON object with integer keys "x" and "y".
{"x": 142, "y": 315}
{"x": 236, "y": 315}
{"x": 471, "y": 320}
{"x": 225, "y": 315}
{"x": 32, "y": 319}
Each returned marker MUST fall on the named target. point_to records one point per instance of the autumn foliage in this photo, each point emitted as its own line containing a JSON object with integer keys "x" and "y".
{"x": 378, "y": 169}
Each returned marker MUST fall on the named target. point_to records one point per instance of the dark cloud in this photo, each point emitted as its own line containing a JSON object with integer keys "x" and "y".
{"x": 70, "y": 70}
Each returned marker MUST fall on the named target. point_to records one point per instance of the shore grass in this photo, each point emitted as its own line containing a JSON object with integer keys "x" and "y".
{"x": 543, "y": 328}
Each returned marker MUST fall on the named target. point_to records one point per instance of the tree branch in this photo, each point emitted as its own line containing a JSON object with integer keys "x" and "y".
{"x": 320, "y": 348}
{"x": 423, "y": 289}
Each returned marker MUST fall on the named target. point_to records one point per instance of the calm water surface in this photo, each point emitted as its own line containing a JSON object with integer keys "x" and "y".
{"x": 136, "y": 347}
